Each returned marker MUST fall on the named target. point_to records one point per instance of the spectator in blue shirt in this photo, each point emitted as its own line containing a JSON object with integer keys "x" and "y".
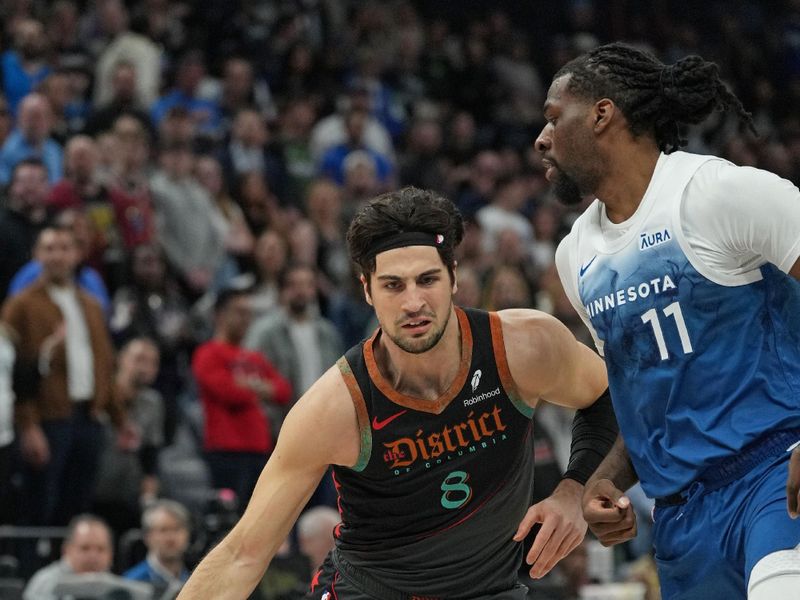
{"x": 332, "y": 165}
{"x": 206, "y": 114}
{"x": 86, "y": 277}
{"x": 166, "y": 526}
{"x": 24, "y": 67}
{"x": 31, "y": 139}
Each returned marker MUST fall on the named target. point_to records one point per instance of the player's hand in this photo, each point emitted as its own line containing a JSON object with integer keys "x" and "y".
{"x": 608, "y": 512}
{"x": 563, "y": 527}
{"x": 793, "y": 484}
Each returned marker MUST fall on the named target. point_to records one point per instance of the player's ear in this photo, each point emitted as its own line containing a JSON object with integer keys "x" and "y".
{"x": 603, "y": 112}
{"x": 454, "y": 276}
{"x": 365, "y": 283}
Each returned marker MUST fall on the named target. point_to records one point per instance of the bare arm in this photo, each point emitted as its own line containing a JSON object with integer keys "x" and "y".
{"x": 233, "y": 568}
{"x": 548, "y": 363}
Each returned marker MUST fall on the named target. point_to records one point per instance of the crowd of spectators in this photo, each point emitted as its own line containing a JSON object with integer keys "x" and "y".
{"x": 192, "y": 167}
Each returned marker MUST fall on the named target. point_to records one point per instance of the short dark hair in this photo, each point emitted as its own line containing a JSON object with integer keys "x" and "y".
{"x": 226, "y": 295}
{"x": 656, "y": 99}
{"x": 90, "y": 519}
{"x": 285, "y": 272}
{"x": 28, "y": 162}
{"x": 409, "y": 209}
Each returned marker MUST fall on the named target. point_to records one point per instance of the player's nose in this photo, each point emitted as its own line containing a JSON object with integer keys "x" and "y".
{"x": 543, "y": 142}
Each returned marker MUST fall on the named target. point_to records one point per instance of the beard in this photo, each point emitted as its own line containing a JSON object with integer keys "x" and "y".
{"x": 422, "y": 344}
{"x": 567, "y": 190}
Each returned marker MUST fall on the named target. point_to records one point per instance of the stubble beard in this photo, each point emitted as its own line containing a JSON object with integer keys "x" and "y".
{"x": 421, "y": 345}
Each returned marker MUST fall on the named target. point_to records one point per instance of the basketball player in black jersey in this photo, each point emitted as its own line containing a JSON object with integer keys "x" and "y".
{"x": 428, "y": 427}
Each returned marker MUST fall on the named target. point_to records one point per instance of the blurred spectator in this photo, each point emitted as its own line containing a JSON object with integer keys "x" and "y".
{"x": 360, "y": 182}
{"x": 190, "y": 227}
{"x": 299, "y": 342}
{"x": 468, "y": 294}
{"x": 421, "y": 165}
{"x": 324, "y": 208}
{"x": 62, "y": 330}
{"x": 68, "y": 111}
{"x": 64, "y": 33}
{"x": 24, "y": 66}
{"x": 31, "y": 139}
{"x": 258, "y": 202}
{"x": 504, "y": 212}
{"x": 150, "y": 305}
{"x": 6, "y": 120}
{"x": 332, "y": 163}
{"x": 7, "y": 358}
{"x": 476, "y": 184}
{"x": 87, "y": 278}
{"x": 506, "y": 287}
{"x": 162, "y": 22}
{"x": 332, "y": 130}
{"x": 545, "y": 229}
{"x": 296, "y": 122}
{"x": 88, "y": 548}
{"x": 249, "y": 151}
{"x": 128, "y": 473}
{"x": 240, "y": 89}
{"x": 123, "y": 100}
{"x": 166, "y": 526}
{"x": 83, "y": 188}
{"x": 125, "y": 46}
{"x": 234, "y": 385}
{"x": 205, "y": 113}
{"x": 270, "y": 255}
{"x": 315, "y": 534}
{"x": 22, "y": 218}
{"x": 239, "y": 240}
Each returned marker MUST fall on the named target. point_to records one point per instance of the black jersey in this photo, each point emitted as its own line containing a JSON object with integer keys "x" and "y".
{"x": 440, "y": 486}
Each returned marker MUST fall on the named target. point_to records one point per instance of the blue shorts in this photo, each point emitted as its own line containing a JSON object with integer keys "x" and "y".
{"x": 707, "y": 546}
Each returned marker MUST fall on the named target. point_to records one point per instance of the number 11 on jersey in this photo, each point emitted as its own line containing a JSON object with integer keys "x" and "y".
{"x": 674, "y": 311}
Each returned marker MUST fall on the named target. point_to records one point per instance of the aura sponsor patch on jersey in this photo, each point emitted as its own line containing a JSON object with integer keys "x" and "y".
{"x": 652, "y": 239}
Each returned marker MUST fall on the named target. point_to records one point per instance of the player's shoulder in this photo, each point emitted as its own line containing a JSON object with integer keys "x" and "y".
{"x": 719, "y": 178}
{"x": 531, "y": 331}
{"x": 327, "y": 409}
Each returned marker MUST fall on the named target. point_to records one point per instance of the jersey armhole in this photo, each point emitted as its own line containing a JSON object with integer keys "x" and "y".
{"x": 362, "y": 416}
{"x": 499, "y": 349}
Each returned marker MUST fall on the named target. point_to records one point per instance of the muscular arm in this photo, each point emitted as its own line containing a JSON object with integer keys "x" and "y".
{"x": 548, "y": 363}
{"x": 233, "y": 569}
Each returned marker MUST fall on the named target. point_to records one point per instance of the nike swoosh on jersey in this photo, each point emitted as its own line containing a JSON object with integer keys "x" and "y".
{"x": 381, "y": 424}
{"x": 585, "y": 267}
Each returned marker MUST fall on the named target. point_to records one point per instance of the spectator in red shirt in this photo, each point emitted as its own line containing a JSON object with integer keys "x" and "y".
{"x": 236, "y": 386}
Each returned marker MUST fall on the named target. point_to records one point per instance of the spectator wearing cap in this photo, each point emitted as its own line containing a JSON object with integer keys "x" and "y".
{"x": 236, "y": 385}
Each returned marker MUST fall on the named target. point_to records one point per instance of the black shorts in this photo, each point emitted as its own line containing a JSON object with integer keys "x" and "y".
{"x": 341, "y": 581}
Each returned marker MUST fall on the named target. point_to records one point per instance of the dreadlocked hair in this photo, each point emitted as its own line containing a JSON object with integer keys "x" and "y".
{"x": 655, "y": 98}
